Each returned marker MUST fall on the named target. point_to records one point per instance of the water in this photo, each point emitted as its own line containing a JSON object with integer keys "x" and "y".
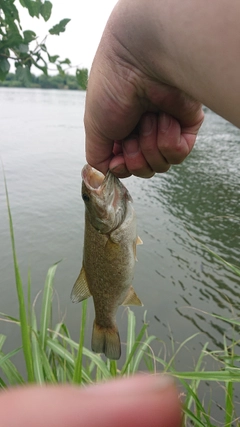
{"x": 179, "y": 282}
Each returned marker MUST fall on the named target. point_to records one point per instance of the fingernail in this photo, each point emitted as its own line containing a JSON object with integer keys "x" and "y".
{"x": 131, "y": 147}
{"x": 118, "y": 167}
{"x": 165, "y": 121}
{"x": 120, "y": 171}
{"x": 146, "y": 125}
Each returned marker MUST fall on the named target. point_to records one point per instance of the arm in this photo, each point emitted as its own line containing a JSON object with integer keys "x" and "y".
{"x": 154, "y": 60}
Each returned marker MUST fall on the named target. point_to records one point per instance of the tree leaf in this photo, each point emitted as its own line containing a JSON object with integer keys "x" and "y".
{"x": 82, "y": 77}
{"x": 60, "y": 70}
{"x": 46, "y": 10}
{"x": 22, "y": 2}
{"x": 60, "y": 27}
{"x": 15, "y": 43}
{"x": 4, "y": 68}
{"x": 29, "y": 36}
{"x": 53, "y": 58}
{"x": 40, "y": 67}
{"x": 10, "y": 11}
{"x": 33, "y": 6}
{"x": 66, "y": 61}
{"x": 22, "y": 48}
{"x": 24, "y": 75}
{"x": 43, "y": 47}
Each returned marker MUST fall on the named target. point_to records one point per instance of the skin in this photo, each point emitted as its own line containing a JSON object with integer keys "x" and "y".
{"x": 141, "y": 400}
{"x": 157, "y": 62}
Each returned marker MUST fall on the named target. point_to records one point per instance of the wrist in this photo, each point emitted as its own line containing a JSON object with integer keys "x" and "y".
{"x": 135, "y": 34}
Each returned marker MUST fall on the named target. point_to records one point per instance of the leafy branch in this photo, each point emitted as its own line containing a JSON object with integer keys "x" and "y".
{"x": 17, "y": 44}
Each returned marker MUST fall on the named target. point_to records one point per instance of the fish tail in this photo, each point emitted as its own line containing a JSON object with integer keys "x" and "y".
{"x": 107, "y": 341}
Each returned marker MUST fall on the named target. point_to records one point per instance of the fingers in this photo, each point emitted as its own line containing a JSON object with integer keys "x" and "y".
{"x": 161, "y": 142}
{"x": 141, "y": 400}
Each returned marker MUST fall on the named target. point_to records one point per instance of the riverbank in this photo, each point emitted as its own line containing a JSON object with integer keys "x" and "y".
{"x": 60, "y": 81}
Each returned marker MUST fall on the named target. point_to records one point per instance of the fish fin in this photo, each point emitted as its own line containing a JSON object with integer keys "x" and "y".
{"x": 107, "y": 341}
{"x": 132, "y": 298}
{"x": 80, "y": 290}
{"x": 137, "y": 242}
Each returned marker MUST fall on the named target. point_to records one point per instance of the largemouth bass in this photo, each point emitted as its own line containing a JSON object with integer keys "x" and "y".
{"x": 109, "y": 256}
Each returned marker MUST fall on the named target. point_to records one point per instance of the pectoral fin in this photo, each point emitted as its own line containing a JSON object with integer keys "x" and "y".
{"x": 138, "y": 241}
{"x": 132, "y": 298}
{"x": 80, "y": 290}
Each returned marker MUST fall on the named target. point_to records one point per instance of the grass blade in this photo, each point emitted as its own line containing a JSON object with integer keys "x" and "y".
{"x": 2, "y": 340}
{"x": 66, "y": 356}
{"x": 194, "y": 384}
{"x": 224, "y": 376}
{"x": 11, "y": 371}
{"x": 113, "y": 368}
{"x": 134, "y": 349}
{"x": 130, "y": 338}
{"x": 37, "y": 362}
{"x": 26, "y": 342}
{"x": 195, "y": 421}
{"x": 144, "y": 347}
{"x": 93, "y": 357}
{"x": 5, "y": 357}
{"x": 2, "y": 384}
{"x": 47, "y": 304}
{"x": 77, "y": 376}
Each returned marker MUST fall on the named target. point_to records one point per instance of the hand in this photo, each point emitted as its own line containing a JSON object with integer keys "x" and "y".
{"x": 138, "y": 401}
{"x": 136, "y": 122}
{"x": 155, "y": 61}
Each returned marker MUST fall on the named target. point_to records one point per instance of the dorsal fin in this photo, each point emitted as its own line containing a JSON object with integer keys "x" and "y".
{"x": 80, "y": 290}
{"x": 132, "y": 298}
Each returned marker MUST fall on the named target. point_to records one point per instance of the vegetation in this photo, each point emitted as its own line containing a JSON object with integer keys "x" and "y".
{"x": 51, "y": 356}
{"x": 59, "y": 81}
{"x": 23, "y": 46}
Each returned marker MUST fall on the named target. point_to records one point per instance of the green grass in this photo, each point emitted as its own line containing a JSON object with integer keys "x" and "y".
{"x": 52, "y": 356}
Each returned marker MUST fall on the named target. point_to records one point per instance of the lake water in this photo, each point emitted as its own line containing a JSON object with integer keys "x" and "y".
{"x": 179, "y": 282}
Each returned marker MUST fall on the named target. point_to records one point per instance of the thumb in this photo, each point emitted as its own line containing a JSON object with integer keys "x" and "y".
{"x": 142, "y": 400}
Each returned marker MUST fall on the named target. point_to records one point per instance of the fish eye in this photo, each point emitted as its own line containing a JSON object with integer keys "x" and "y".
{"x": 85, "y": 197}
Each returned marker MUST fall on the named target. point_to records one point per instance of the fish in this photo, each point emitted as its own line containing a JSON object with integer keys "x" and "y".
{"x": 109, "y": 256}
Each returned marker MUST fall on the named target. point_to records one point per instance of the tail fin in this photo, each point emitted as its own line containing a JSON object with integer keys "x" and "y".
{"x": 107, "y": 341}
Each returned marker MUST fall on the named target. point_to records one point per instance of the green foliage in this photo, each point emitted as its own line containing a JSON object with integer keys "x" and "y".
{"x": 82, "y": 77}
{"x": 59, "y": 28}
{"x": 24, "y": 78}
{"x": 17, "y": 44}
{"x": 22, "y": 310}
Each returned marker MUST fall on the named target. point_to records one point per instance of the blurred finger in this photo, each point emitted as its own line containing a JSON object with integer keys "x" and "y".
{"x": 143, "y": 401}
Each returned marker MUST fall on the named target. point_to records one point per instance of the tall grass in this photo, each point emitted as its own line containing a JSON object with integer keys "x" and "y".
{"x": 52, "y": 356}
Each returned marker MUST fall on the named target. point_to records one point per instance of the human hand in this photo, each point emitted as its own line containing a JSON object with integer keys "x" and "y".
{"x": 137, "y": 401}
{"x": 137, "y": 121}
